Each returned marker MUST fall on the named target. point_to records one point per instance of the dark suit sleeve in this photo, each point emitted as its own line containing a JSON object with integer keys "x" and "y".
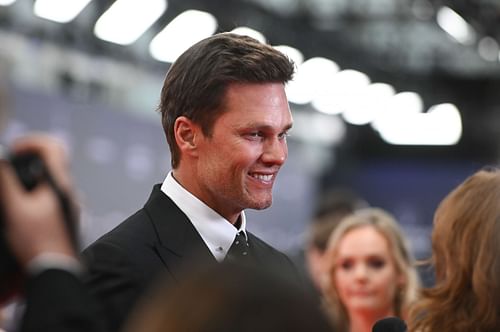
{"x": 113, "y": 280}
{"x": 57, "y": 301}
{"x": 291, "y": 271}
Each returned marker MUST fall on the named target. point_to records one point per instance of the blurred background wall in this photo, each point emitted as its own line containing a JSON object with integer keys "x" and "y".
{"x": 395, "y": 99}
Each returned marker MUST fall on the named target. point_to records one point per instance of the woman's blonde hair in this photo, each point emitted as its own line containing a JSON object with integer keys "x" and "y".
{"x": 466, "y": 256}
{"x": 386, "y": 225}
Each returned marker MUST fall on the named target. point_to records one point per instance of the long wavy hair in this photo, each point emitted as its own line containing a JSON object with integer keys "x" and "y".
{"x": 387, "y": 226}
{"x": 466, "y": 257}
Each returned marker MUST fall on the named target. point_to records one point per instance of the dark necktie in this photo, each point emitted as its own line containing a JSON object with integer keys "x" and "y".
{"x": 239, "y": 249}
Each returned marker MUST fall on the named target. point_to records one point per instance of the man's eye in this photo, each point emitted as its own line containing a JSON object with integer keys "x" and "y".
{"x": 254, "y": 135}
{"x": 283, "y": 135}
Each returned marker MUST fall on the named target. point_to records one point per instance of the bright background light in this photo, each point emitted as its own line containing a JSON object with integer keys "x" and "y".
{"x": 6, "y": 2}
{"x": 311, "y": 78}
{"x": 126, "y": 20}
{"x": 61, "y": 11}
{"x": 440, "y": 125}
{"x": 246, "y": 31}
{"x": 455, "y": 26}
{"x": 182, "y": 32}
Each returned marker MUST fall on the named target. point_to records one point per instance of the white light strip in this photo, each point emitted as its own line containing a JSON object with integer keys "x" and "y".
{"x": 6, "y": 2}
{"x": 441, "y": 125}
{"x": 61, "y": 11}
{"x": 126, "y": 20}
{"x": 318, "y": 128}
{"x": 369, "y": 104}
{"x": 311, "y": 79}
{"x": 400, "y": 105}
{"x": 246, "y": 31}
{"x": 339, "y": 93}
{"x": 181, "y": 33}
{"x": 455, "y": 26}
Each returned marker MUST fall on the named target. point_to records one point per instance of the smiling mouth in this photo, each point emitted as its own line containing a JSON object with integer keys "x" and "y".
{"x": 262, "y": 177}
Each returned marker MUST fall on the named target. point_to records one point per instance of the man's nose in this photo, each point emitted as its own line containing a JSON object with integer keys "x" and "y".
{"x": 275, "y": 152}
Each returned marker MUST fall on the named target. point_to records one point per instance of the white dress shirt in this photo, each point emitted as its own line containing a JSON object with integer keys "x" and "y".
{"x": 216, "y": 231}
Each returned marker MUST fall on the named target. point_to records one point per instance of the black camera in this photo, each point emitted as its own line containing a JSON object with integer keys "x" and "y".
{"x": 31, "y": 171}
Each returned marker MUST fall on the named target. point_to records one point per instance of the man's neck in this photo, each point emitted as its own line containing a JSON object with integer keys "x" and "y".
{"x": 185, "y": 180}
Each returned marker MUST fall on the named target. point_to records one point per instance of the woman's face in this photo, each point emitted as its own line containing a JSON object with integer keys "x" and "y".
{"x": 365, "y": 274}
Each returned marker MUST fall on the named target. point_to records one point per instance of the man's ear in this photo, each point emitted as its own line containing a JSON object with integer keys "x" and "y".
{"x": 186, "y": 132}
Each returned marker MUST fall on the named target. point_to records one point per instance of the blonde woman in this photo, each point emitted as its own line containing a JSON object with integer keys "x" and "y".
{"x": 371, "y": 271}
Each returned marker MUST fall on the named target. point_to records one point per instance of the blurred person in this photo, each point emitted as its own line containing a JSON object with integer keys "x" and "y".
{"x": 35, "y": 232}
{"x": 371, "y": 273}
{"x": 2, "y": 319}
{"x": 226, "y": 117}
{"x": 332, "y": 207}
{"x": 228, "y": 298}
{"x": 465, "y": 255}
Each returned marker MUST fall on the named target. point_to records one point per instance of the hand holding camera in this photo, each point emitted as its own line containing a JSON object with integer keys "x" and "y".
{"x": 38, "y": 215}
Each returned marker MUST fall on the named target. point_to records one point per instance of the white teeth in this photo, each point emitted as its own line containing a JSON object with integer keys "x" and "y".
{"x": 262, "y": 177}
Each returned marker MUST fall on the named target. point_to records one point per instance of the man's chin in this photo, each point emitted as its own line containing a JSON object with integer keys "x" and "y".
{"x": 261, "y": 205}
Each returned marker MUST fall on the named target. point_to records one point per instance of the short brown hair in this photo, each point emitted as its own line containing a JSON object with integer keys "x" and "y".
{"x": 229, "y": 297}
{"x": 196, "y": 83}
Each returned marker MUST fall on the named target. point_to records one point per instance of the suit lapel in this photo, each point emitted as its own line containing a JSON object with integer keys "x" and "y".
{"x": 258, "y": 252}
{"x": 179, "y": 244}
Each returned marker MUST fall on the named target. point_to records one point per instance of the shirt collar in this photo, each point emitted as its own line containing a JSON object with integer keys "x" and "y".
{"x": 216, "y": 231}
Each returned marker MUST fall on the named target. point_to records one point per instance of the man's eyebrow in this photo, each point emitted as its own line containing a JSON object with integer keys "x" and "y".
{"x": 265, "y": 126}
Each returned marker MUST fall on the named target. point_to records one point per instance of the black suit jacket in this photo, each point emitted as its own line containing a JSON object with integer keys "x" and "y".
{"x": 57, "y": 301}
{"x": 158, "y": 240}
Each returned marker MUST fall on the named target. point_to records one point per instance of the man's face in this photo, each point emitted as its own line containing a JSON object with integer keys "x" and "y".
{"x": 238, "y": 164}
